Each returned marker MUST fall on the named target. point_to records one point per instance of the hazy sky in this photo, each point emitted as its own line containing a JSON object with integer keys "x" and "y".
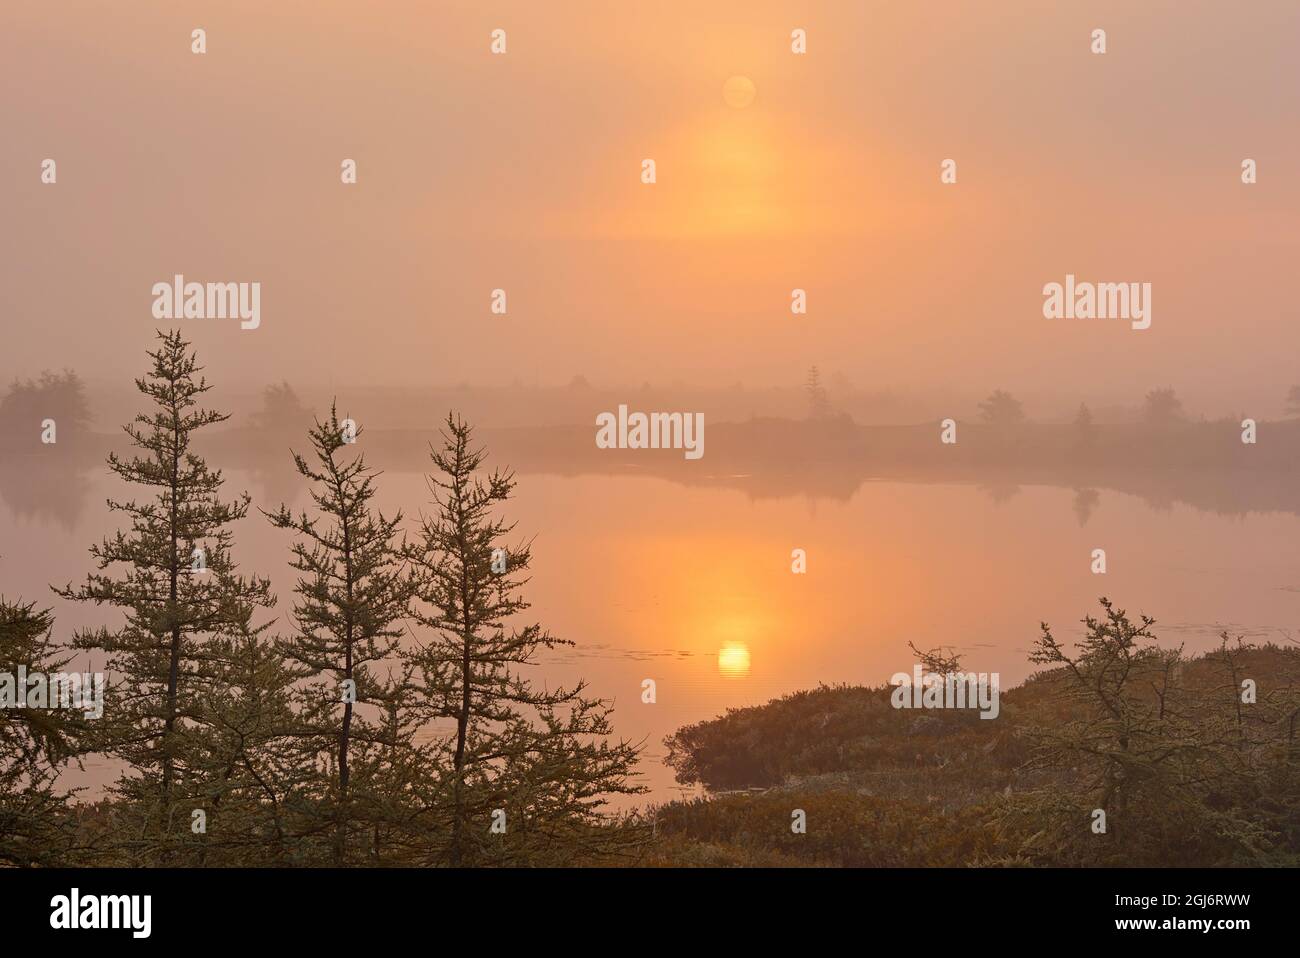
{"x": 522, "y": 171}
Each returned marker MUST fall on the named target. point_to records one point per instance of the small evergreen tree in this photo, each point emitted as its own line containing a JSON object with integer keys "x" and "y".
{"x": 1177, "y": 774}
{"x": 178, "y": 587}
{"x": 527, "y": 771}
{"x": 352, "y": 599}
{"x": 819, "y": 405}
{"x": 1002, "y": 410}
{"x": 1162, "y": 407}
{"x": 1085, "y": 430}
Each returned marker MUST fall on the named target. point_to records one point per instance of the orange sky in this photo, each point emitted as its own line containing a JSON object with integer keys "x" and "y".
{"x": 522, "y": 172}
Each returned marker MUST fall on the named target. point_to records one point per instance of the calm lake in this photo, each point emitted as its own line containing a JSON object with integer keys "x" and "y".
{"x": 691, "y": 586}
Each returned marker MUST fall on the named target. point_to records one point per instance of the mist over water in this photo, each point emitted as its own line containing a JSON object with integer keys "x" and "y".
{"x": 706, "y": 604}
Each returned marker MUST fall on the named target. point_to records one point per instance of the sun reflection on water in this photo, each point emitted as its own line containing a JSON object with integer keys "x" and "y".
{"x": 733, "y": 660}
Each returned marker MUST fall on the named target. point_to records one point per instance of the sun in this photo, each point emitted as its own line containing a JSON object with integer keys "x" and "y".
{"x": 739, "y": 92}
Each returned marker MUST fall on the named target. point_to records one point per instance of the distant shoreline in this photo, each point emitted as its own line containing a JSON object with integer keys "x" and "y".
{"x": 1204, "y": 465}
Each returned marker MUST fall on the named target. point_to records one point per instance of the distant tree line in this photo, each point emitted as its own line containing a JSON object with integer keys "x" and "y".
{"x": 58, "y": 398}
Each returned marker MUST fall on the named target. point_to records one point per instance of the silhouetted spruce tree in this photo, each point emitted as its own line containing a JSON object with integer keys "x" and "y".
{"x": 36, "y": 744}
{"x": 1085, "y": 429}
{"x": 178, "y": 587}
{"x": 537, "y": 762}
{"x": 819, "y": 406}
{"x": 352, "y": 600}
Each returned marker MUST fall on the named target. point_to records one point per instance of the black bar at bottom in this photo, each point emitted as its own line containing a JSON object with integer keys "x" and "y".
{"x": 338, "y": 907}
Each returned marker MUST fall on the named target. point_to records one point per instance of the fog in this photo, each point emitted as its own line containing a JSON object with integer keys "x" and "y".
{"x": 521, "y": 172}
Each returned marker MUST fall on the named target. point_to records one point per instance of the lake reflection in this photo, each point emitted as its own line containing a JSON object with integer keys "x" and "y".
{"x": 733, "y": 660}
{"x": 691, "y": 586}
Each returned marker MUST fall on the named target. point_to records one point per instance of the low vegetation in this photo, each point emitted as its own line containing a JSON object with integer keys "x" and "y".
{"x": 1182, "y": 760}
